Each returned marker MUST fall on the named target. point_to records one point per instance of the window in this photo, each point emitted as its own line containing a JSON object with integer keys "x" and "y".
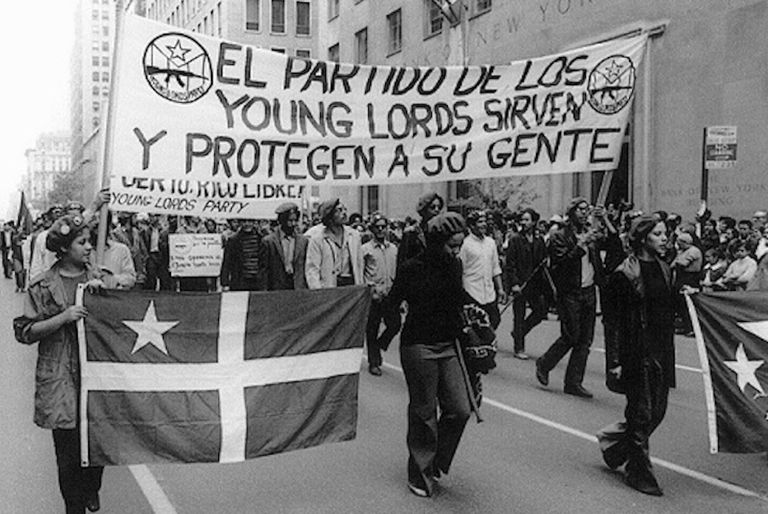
{"x": 278, "y": 16}
{"x": 205, "y": 25}
{"x": 395, "y": 31}
{"x": 252, "y": 14}
{"x": 304, "y": 54}
{"x": 105, "y": 46}
{"x": 95, "y": 46}
{"x": 105, "y": 76}
{"x": 361, "y": 46}
{"x": 95, "y": 76}
{"x": 95, "y": 90}
{"x": 333, "y": 53}
{"x": 95, "y": 61}
{"x": 302, "y": 18}
{"x": 482, "y": 6}
{"x": 104, "y": 15}
{"x": 95, "y": 15}
{"x": 95, "y": 122}
{"x": 96, "y": 106}
{"x": 333, "y": 9}
{"x": 105, "y": 91}
{"x": 434, "y": 18}
{"x": 278, "y": 50}
{"x": 373, "y": 198}
{"x": 105, "y": 31}
{"x": 105, "y": 61}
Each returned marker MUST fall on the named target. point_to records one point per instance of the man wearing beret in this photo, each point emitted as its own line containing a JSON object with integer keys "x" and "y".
{"x": 284, "y": 252}
{"x": 413, "y": 242}
{"x": 334, "y": 258}
{"x": 576, "y": 271}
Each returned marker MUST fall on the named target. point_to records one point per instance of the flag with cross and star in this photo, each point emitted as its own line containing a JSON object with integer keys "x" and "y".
{"x": 732, "y": 336}
{"x": 223, "y": 377}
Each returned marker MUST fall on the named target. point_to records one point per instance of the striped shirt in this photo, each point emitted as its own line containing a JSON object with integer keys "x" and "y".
{"x": 251, "y": 242}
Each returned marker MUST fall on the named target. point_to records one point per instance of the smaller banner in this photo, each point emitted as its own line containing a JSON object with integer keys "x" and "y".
{"x": 732, "y": 336}
{"x": 195, "y": 255}
{"x": 720, "y": 148}
{"x": 168, "y": 377}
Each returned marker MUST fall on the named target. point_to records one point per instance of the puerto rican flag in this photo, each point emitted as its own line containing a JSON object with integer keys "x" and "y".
{"x": 223, "y": 377}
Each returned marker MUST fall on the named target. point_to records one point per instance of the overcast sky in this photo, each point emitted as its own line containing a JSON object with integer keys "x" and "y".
{"x": 36, "y": 42}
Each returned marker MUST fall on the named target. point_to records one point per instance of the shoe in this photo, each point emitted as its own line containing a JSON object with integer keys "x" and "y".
{"x": 92, "y": 503}
{"x": 646, "y": 485}
{"x": 437, "y": 475}
{"x": 541, "y": 375}
{"x": 418, "y": 491}
{"x": 375, "y": 371}
{"x": 577, "y": 390}
{"x": 613, "y": 459}
{"x": 521, "y": 355}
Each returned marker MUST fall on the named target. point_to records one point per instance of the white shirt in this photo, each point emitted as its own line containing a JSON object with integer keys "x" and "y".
{"x": 42, "y": 257}
{"x": 480, "y": 263}
{"x": 587, "y": 270}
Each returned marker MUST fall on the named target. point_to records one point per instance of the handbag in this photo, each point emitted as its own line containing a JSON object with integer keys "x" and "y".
{"x": 478, "y": 340}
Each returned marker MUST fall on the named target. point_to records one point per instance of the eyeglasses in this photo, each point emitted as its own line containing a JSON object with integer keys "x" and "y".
{"x": 380, "y": 227}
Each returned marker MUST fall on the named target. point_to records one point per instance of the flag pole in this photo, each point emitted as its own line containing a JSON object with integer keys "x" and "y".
{"x": 709, "y": 394}
{"x": 106, "y": 153}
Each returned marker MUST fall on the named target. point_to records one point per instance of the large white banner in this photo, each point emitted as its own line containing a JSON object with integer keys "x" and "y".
{"x": 203, "y": 126}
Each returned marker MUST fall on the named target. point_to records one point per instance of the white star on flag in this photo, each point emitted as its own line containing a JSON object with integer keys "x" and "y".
{"x": 150, "y": 331}
{"x": 745, "y": 370}
{"x": 178, "y": 51}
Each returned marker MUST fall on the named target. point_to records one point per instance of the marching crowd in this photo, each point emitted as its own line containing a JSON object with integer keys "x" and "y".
{"x": 638, "y": 264}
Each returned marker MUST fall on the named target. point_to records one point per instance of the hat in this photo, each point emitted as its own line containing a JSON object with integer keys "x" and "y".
{"x": 426, "y": 199}
{"x": 760, "y": 214}
{"x": 53, "y": 208}
{"x": 74, "y": 206}
{"x": 63, "y": 231}
{"x": 327, "y": 207}
{"x": 286, "y": 207}
{"x": 640, "y": 228}
{"x": 446, "y": 224}
{"x": 575, "y": 202}
{"x": 685, "y": 237}
{"x": 556, "y": 218}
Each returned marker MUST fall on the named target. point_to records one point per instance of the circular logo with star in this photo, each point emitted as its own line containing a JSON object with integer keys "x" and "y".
{"x": 177, "y": 68}
{"x": 611, "y": 84}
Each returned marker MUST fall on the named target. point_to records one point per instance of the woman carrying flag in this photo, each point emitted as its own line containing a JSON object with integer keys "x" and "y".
{"x": 50, "y": 317}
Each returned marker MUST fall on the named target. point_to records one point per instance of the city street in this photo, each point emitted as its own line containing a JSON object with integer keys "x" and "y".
{"x": 534, "y": 453}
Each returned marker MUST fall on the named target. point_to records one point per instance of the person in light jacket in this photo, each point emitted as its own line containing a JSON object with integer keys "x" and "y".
{"x": 334, "y": 257}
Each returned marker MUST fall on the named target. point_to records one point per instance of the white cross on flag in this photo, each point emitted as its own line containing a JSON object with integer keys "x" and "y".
{"x": 217, "y": 377}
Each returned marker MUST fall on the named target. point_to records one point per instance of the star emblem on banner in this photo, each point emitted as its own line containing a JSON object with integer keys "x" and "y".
{"x": 150, "y": 331}
{"x": 178, "y": 51}
{"x": 745, "y": 370}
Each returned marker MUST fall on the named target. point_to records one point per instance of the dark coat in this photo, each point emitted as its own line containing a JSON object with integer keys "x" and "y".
{"x": 271, "y": 262}
{"x": 629, "y": 344}
{"x": 232, "y": 265}
{"x": 565, "y": 259}
{"x": 522, "y": 258}
{"x": 411, "y": 245}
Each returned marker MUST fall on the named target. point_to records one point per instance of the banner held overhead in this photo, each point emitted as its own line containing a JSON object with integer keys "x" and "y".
{"x": 214, "y": 119}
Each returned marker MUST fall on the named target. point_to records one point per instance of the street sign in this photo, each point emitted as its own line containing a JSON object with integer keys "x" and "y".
{"x": 719, "y": 147}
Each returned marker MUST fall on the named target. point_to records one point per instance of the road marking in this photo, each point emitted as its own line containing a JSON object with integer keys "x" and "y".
{"x": 154, "y": 494}
{"x": 696, "y": 475}
{"x": 678, "y": 366}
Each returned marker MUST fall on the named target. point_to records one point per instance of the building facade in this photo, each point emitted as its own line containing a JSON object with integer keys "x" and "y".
{"x": 49, "y": 157}
{"x": 285, "y": 26}
{"x": 91, "y": 68}
{"x": 705, "y": 65}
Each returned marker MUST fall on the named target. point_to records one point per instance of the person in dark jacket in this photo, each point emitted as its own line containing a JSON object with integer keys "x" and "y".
{"x": 240, "y": 269}
{"x": 526, "y": 258}
{"x": 414, "y": 241}
{"x": 49, "y": 319}
{"x": 577, "y": 270}
{"x": 284, "y": 252}
{"x": 642, "y": 353}
{"x": 431, "y": 283}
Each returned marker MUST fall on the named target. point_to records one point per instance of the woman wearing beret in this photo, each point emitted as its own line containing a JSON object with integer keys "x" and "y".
{"x": 50, "y": 317}
{"x": 431, "y": 284}
{"x": 641, "y": 354}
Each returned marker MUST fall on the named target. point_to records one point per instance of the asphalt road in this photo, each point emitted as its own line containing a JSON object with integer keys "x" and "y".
{"x": 534, "y": 453}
